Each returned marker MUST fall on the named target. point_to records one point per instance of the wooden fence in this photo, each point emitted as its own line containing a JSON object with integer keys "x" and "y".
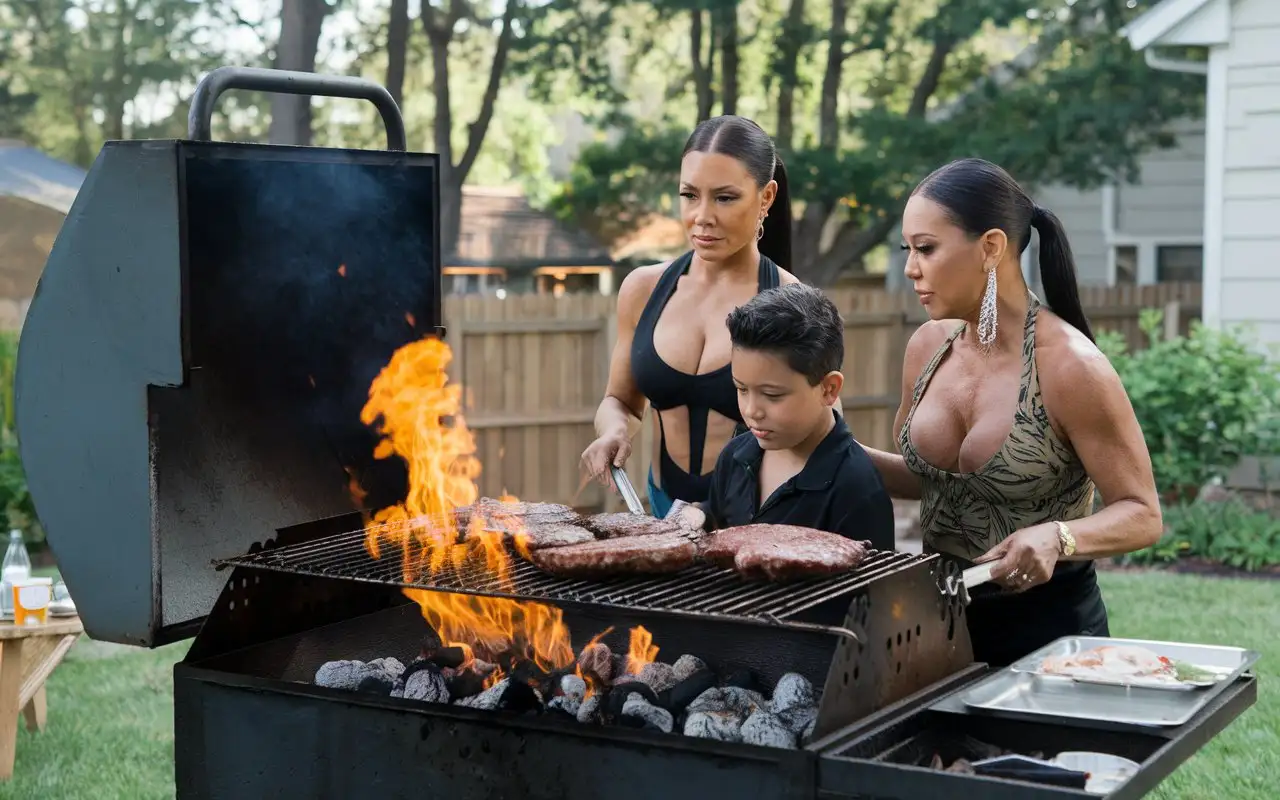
{"x": 534, "y": 367}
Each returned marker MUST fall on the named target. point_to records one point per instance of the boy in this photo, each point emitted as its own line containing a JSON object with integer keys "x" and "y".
{"x": 797, "y": 464}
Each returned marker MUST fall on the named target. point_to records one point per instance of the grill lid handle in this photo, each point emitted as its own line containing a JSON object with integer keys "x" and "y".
{"x": 278, "y": 81}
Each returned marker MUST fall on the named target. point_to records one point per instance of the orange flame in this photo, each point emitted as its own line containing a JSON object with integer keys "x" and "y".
{"x": 641, "y": 651}
{"x": 419, "y": 421}
{"x": 410, "y": 318}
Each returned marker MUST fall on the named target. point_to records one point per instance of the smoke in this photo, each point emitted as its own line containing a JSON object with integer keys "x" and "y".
{"x": 306, "y": 270}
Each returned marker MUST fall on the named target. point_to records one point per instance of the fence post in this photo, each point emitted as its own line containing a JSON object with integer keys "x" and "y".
{"x": 1172, "y": 320}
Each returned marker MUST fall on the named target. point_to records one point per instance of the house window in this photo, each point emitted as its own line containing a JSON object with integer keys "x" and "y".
{"x": 1126, "y": 264}
{"x": 1179, "y": 263}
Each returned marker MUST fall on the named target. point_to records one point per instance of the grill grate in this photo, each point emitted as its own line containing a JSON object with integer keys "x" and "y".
{"x": 700, "y": 591}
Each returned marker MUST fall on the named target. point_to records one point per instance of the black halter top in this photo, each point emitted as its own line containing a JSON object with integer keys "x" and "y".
{"x": 666, "y": 387}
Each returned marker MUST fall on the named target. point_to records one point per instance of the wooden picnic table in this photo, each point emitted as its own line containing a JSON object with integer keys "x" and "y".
{"x": 28, "y": 656}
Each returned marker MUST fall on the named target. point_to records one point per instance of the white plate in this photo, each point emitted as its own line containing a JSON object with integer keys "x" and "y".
{"x": 1106, "y": 772}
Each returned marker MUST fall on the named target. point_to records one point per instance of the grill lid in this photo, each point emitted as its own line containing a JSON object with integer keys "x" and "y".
{"x": 194, "y": 361}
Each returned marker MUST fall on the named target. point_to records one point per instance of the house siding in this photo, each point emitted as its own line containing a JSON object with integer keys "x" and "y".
{"x": 1081, "y": 215}
{"x": 1249, "y": 288}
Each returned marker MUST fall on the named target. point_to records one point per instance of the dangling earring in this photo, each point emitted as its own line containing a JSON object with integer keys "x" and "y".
{"x": 760, "y": 229}
{"x": 987, "y": 316}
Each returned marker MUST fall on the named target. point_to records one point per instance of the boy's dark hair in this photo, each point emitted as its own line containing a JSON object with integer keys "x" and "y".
{"x": 798, "y": 323}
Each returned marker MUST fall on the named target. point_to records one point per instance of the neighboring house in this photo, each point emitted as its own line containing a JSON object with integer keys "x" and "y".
{"x": 505, "y": 246}
{"x": 36, "y": 192}
{"x": 1242, "y": 147}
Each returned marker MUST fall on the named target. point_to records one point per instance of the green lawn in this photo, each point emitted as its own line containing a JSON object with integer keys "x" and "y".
{"x": 110, "y": 729}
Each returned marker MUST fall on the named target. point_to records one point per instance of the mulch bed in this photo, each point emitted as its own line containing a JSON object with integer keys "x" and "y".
{"x": 1194, "y": 566}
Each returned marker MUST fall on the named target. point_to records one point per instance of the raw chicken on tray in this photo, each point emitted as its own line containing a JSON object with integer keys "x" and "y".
{"x": 1123, "y": 664}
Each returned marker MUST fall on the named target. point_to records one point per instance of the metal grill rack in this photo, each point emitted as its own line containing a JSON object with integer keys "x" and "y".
{"x": 700, "y": 591}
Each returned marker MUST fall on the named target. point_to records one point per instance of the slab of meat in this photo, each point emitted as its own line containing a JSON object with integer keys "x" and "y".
{"x": 537, "y": 525}
{"x": 628, "y": 555}
{"x": 616, "y": 526}
{"x": 783, "y": 552}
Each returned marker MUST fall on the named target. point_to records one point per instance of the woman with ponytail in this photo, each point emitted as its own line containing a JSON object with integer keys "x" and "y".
{"x": 1011, "y": 417}
{"x": 673, "y": 345}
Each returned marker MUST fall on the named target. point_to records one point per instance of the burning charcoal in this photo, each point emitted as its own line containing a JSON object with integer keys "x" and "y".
{"x": 659, "y": 676}
{"x": 426, "y": 684}
{"x": 649, "y": 715}
{"x": 417, "y": 664}
{"x": 431, "y": 642}
{"x": 488, "y": 699}
{"x": 391, "y": 666}
{"x": 799, "y": 719}
{"x": 598, "y": 659}
{"x": 678, "y": 697}
{"x": 722, "y": 726}
{"x": 767, "y": 730}
{"x": 686, "y": 665}
{"x": 743, "y": 679}
{"x": 573, "y": 687}
{"x": 740, "y": 702}
{"x": 589, "y": 711}
{"x": 376, "y": 682}
{"x": 348, "y": 674}
{"x": 520, "y": 698}
{"x": 793, "y": 690}
{"x": 566, "y": 705}
{"x": 448, "y": 657}
{"x": 465, "y": 684}
{"x": 398, "y": 691}
{"x": 621, "y": 691}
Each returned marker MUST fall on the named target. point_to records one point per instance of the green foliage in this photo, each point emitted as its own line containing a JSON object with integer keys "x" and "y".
{"x": 1227, "y": 532}
{"x": 15, "y": 500}
{"x": 1203, "y": 401}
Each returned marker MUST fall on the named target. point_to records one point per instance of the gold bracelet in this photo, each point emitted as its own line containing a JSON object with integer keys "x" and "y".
{"x": 1066, "y": 542}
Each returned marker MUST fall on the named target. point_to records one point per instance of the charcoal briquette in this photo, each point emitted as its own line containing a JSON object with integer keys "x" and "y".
{"x": 414, "y": 666}
{"x": 348, "y": 674}
{"x": 431, "y": 642}
{"x": 792, "y": 690}
{"x": 721, "y": 726}
{"x": 393, "y": 668}
{"x": 743, "y": 678}
{"x": 636, "y": 707}
{"x": 620, "y": 692}
{"x": 426, "y": 684}
{"x": 799, "y": 719}
{"x": 678, "y": 697}
{"x": 376, "y": 683}
{"x": 660, "y": 677}
{"x": 598, "y": 659}
{"x": 449, "y": 657}
{"x": 733, "y": 699}
{"x": 465, "y": 684}
{"x": 520, "y": 698}
{"x": 488, "y": 699}
{"x": 574, "y": 687}
{"x": 568, "y": 705}
{"x": 589, "y": 711}
{"x": 767, "y": 730}
{"x": 686, "y": 665}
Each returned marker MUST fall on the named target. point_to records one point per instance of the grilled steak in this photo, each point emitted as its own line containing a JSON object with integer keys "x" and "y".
{"x": 619, "y": 525}
{"x": 536, "y": 525}
{"x": 628, "y": 555}
{"x": 783, "y": 552}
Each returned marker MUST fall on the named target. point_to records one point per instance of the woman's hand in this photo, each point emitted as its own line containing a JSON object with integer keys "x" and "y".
{"x": 610, "y": 450}
{"x": 1026, "y": 558}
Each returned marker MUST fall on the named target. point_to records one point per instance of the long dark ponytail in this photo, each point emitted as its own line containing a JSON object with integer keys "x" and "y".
{"x": 979, "y": 196}
{"x": 1058, "y": 270}
{"x": 746, "y": 141}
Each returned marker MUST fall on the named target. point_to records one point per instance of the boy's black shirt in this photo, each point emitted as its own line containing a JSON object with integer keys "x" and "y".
{"x": 839, "y": 490}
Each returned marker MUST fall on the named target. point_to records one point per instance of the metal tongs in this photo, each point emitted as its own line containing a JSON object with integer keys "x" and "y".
{"x": 625, "y": 489}
{"x": 971, "y": 577}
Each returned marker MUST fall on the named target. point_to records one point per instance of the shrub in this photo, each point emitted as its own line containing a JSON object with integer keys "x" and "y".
{"x": 1227, "y": 532}
{"x": 1203, "y": 400}
{"x": 15, "y": 500}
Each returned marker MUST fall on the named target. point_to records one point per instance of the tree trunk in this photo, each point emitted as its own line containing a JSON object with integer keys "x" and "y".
{"x": 701, "y": 68}
{"x": 117, "y": 88}
{"x": 727, "y": 30}
{"x": 789, "y": 45}
{"x": 300, "y": 24}
{"x": 439, "y": 27}
{"x": 397, "y": 47}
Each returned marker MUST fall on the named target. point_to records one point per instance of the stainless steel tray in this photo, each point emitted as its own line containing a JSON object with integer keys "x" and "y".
{"x": 1226, "y": 663}
{"x": 1022, "y": 694}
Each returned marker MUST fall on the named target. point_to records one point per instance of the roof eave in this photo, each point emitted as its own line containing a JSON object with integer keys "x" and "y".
{"x": 1201, "y": 23}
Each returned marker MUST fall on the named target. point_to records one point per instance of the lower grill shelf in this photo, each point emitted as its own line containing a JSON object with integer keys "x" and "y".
{"x": 702, "y": 591}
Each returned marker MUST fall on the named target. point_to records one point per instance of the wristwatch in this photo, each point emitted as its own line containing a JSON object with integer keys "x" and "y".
{"x": 1066, "y": 542}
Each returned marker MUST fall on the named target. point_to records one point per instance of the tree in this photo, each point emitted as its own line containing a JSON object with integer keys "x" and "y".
{"x": 906, "y": 87}
{"x": 301, "y": 22}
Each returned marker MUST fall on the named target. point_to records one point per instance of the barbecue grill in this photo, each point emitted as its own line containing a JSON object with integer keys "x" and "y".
{"x": 189, "y": 388}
